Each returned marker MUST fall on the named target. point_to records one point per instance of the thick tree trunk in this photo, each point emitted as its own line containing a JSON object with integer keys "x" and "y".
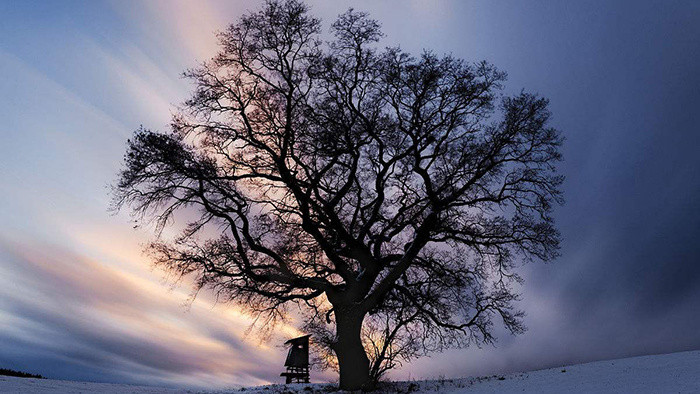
{"x": 352, "y": 359}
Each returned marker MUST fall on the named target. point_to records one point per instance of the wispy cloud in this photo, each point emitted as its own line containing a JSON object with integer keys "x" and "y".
{"x": 101, "y": 318}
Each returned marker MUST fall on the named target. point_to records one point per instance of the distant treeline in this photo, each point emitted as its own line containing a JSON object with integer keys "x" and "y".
{"x": 9, "y": 372}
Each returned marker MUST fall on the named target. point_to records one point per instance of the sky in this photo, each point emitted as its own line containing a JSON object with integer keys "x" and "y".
{"x": 79, "y": 300}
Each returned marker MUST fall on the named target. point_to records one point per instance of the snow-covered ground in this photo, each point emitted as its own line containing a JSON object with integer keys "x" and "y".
{"x": 10, "y": 384}
{"x": 667, "y": 373}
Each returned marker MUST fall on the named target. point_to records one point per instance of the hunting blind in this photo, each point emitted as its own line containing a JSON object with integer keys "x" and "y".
{"x": 297, "y": 360}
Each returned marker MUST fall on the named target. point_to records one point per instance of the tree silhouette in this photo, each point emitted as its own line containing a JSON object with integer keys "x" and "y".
{"x": 389, "y": 196}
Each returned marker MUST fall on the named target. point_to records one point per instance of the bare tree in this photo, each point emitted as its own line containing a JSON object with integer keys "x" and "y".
{"x": 363, "y": 185}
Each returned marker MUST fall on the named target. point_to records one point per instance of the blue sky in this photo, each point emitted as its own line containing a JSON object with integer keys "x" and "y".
{"x": 79, "y": 301}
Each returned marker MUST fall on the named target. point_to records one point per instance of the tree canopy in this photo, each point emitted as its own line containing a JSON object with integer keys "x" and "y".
{"x": 389, "y": 196}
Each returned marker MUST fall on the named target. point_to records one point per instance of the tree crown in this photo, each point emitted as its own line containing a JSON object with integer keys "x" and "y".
{"x": 337, "y": 175}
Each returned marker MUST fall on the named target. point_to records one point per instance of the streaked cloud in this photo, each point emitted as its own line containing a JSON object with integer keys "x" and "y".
{"x": 102, "y": 318}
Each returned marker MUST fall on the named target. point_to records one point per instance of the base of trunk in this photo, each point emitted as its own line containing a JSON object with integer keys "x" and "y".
{"x": 352, "y": 359}
{"x": 354, "y": 369}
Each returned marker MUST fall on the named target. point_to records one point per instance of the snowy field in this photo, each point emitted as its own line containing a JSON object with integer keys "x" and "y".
{"x": 668, "y": 373}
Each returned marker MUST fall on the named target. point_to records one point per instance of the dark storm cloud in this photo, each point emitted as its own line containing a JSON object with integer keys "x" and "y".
{"x": 624, "y": 88}
{"x": 632, "y": 216}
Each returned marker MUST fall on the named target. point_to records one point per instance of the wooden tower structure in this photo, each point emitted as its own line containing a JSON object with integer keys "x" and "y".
{"x": 297, "y": 360}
